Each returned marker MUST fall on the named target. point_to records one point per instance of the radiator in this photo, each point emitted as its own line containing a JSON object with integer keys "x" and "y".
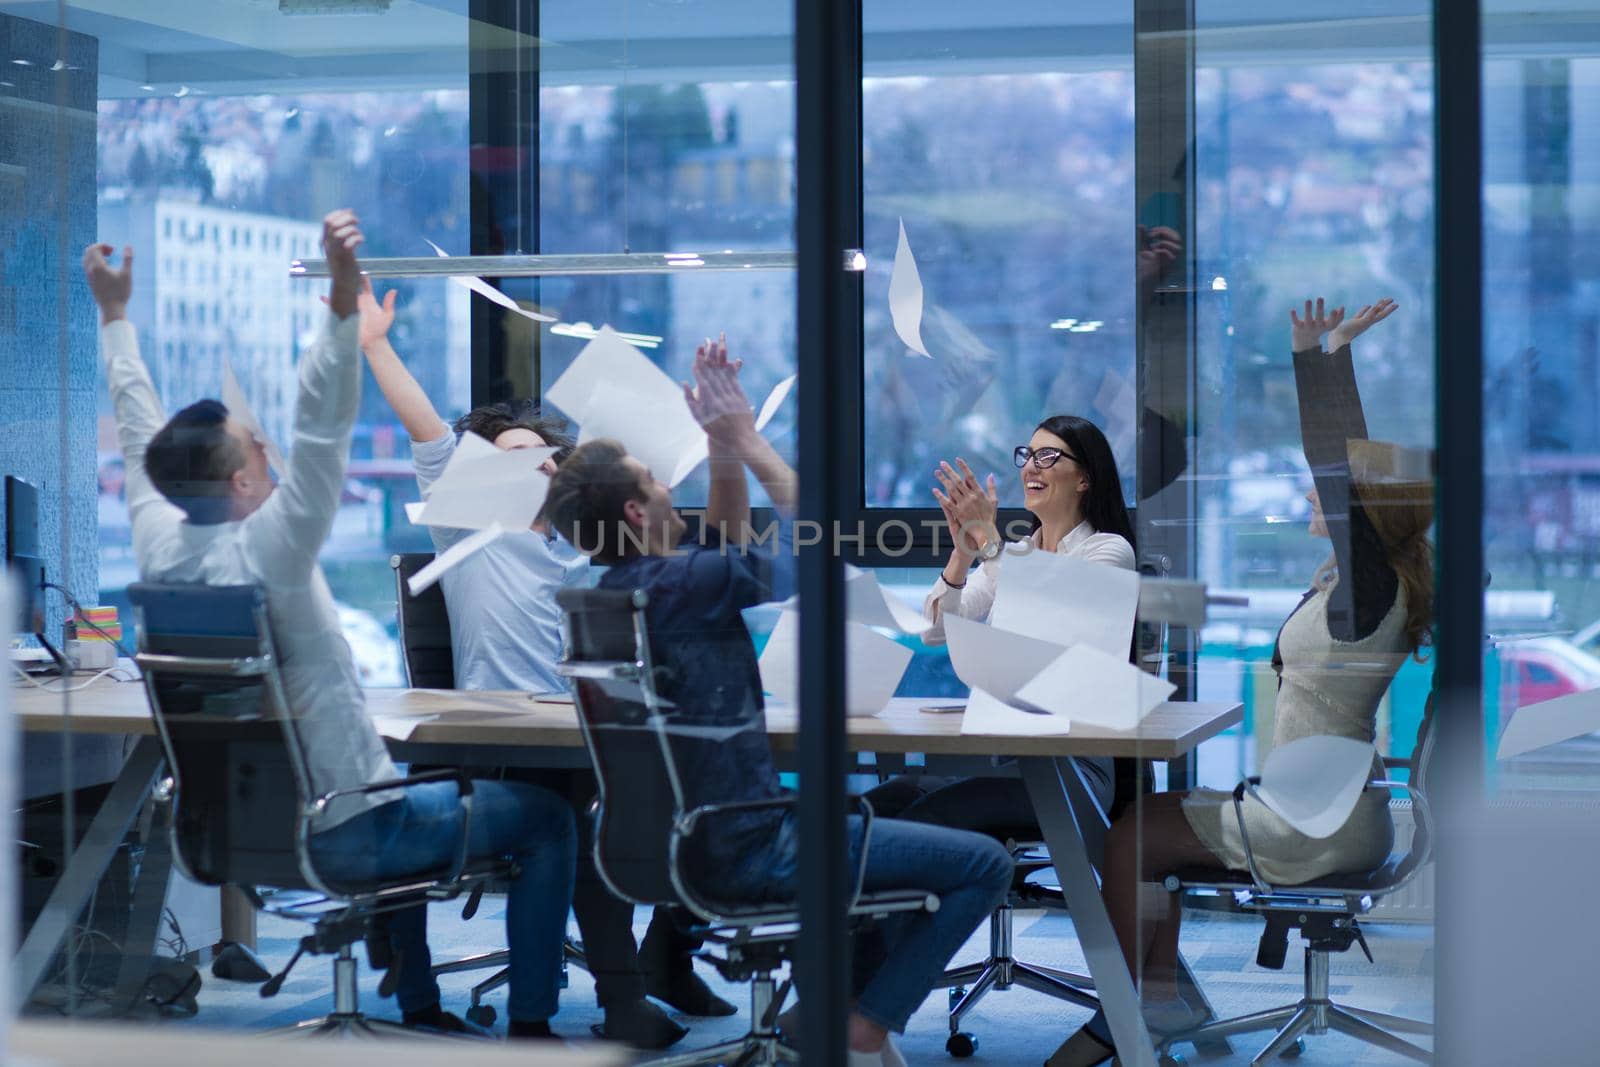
{"x": 1414, "y": 903}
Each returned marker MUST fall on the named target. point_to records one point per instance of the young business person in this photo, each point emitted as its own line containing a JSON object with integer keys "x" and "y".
{"x": 1369, "y": 607}
{"x": 205, "y": 509}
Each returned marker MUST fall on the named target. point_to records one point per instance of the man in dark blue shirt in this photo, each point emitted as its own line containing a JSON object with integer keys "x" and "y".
{"x": 612, "y": 507}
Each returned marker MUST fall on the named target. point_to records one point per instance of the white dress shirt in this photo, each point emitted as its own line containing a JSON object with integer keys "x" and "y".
{"x": 976, "y": 599}
{"x": 275, "y": 547}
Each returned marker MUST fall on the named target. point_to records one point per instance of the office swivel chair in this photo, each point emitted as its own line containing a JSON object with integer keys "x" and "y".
{"x": 643, "y": 824}
{"x": 1327, "y": 914}
{"x": 424, "y": 623}
{"x": 243, "y": 801}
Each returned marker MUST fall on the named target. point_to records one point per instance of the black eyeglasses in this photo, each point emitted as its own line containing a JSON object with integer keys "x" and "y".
{"x": 1043, "y": 458}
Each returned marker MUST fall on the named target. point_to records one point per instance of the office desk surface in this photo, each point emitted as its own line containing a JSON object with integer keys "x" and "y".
{"x": 458, "y": 717}
{"x": 80, "y": 1044}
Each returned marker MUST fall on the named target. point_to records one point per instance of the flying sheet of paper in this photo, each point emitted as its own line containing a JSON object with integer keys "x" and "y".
{"x": 1095, "y": 689}
{"x": 869, "y": 604}
{"x": 989, "y": 716}
{"x": 1550, "y": 722}
{"x": 233, "y": 399}
{"x": 453, "y": 557}
{"x": 479, "y": 488}
{"x": 477, "y": 285}
{"x": 774, "y": 401}
{"x": 996, "y": 661}
{"x": 613, "y": 390}
{"x": 875, "y": 665}
{"x": 1072, "y": 600}
{"x": 905, "y": 296}
{"x": 1313, "y": 783}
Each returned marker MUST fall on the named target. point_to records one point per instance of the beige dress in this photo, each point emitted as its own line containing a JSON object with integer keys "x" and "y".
{"x": 1329, "y": 687}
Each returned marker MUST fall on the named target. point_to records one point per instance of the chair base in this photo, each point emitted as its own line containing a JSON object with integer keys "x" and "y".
{"x": 354, "y": 1025}
{"x": 1002, "y": 971}
{"x": 759, "y": 1047}
{"x": 1315, "y": 1014}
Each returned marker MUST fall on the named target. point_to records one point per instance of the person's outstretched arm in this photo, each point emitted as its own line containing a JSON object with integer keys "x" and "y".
{"x": 1331, "y": 416}
{"x": 411, "y": 405}
{"x": 285, "y": 534}
{"x": 134, "y": 401}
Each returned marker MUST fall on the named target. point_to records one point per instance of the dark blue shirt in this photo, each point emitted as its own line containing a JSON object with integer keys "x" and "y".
{"x": 705, "y": 664}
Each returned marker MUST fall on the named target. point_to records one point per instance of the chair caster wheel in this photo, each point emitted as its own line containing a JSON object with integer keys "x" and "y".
{"x": 1172, "y": 1061}
{"x": 961, "y": 1045}
{"x": 1296, "y": 1050}
{"x": 956, "y": 993}
{"x": 481, "y": 1015}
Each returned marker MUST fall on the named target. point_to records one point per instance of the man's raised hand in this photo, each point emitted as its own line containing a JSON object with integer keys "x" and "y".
{"x": 341, "y": 236}
{"x": 112, "y": 288}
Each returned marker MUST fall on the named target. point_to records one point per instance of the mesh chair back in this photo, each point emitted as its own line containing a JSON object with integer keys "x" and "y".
{"x": 212, "y": 680}
{"x": 624, "y": 727}
{"x": 424, "y": 626}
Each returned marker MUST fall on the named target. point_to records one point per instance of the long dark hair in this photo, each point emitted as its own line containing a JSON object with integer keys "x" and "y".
{"x": 1103, "y": 505}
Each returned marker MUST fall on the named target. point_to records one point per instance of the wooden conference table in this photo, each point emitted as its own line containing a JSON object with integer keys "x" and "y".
{"x": 517, "y": 729}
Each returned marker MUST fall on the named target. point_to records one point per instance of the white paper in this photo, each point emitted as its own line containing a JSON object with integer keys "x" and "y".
{"x": 1550, "y": 722}
{"x": 453, "y": 557}
{"x": 1095, "y": 689}
{"x": 987, "y": 715}
{"x": 414, "y": 511}
{"x": 875, "y": 665}
{"x": 996, "y": 661}
{"x": 613, "y": 390}
{"x": 905, "y": 296}
{"x": 233, "y": 399}
{"x": 479, "y": 488}
{"x": 477, "y": 285}
{"x": 399, "y": 727}
{"x": 1067, "y": 600}
{"x": 774, "y": 401}
{"x": 1313, "y": 783}
{"x": 868, "y": 603}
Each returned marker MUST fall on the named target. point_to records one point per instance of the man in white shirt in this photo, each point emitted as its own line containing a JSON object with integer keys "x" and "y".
{"x": 204, "y": 509}
{"x": 505, "y": 633}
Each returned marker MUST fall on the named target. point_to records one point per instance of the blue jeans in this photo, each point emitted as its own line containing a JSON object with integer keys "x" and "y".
{"x": 422, "y": 831}
{"x": 970, "y": 873}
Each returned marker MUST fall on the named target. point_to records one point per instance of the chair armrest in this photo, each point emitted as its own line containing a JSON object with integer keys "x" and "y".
{"x": 443, "y": 774}
{"x": 1248, "y": 786}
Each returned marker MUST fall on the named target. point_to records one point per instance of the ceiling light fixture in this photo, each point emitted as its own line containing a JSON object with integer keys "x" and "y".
{"x": 333, "y": 7}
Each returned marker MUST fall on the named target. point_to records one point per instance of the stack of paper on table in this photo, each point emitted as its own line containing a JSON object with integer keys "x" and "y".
{"x": 1054, "y": 652}
{"x": 613, "y": 390}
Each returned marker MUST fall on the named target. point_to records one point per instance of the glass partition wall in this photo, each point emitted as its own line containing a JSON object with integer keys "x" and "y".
{"x": 1219, "y": 232}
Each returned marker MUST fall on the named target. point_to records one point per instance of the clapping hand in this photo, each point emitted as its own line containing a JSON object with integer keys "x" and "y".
{"x": 717, "y": 400}
{"x": 970, "y": 509}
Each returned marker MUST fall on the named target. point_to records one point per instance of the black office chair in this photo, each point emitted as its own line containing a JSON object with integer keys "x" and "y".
{"x": 643, "y": 826}
{"x": 1327, "y": 914}
{"x": 243, "y": 801}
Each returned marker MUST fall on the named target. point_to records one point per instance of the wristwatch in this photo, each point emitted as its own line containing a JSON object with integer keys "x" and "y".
{"x": 989, "y": 551}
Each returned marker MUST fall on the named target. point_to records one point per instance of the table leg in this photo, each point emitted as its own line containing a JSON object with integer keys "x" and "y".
{"x": 139, "y": 949}
{"x": 1058, "y": 797}
{"x": 85, "y": 868}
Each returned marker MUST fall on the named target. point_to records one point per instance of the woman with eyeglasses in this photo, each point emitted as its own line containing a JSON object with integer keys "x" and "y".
{"x": 1071, "y": 487}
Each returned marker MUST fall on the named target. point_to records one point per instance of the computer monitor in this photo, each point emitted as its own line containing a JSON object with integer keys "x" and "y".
{"x": 24, "y": 561}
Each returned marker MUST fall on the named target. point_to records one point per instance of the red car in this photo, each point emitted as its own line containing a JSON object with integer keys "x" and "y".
{"x": 1543, "y": 668}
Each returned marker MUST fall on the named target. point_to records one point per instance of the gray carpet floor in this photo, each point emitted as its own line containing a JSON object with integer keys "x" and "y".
{"x": 1014, "y": 1027}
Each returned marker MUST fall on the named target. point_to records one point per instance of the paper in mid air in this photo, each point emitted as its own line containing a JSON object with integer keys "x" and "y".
{"x": 233, "y": 399}
{"x": 483, "y": 485}
{"x": 473, "y": 283}
{"x": 1550, "y": 722}
{"x": 996, "y": 661}
{"x": 453, "y": 557}
{"x": 1072, "y": 600}
{"x": 1313, "y": 783}
{"x": 987, "y": 715}
{"x": 869, "y": 604}
{"x": 774, "y": 401}
{"x": 1095, "y": 689}
{"x": 875, "y": 665}
{"x": 905, "y": 296}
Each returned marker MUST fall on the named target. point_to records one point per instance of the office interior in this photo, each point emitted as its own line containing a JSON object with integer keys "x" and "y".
{"x": 948, "y": 223}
